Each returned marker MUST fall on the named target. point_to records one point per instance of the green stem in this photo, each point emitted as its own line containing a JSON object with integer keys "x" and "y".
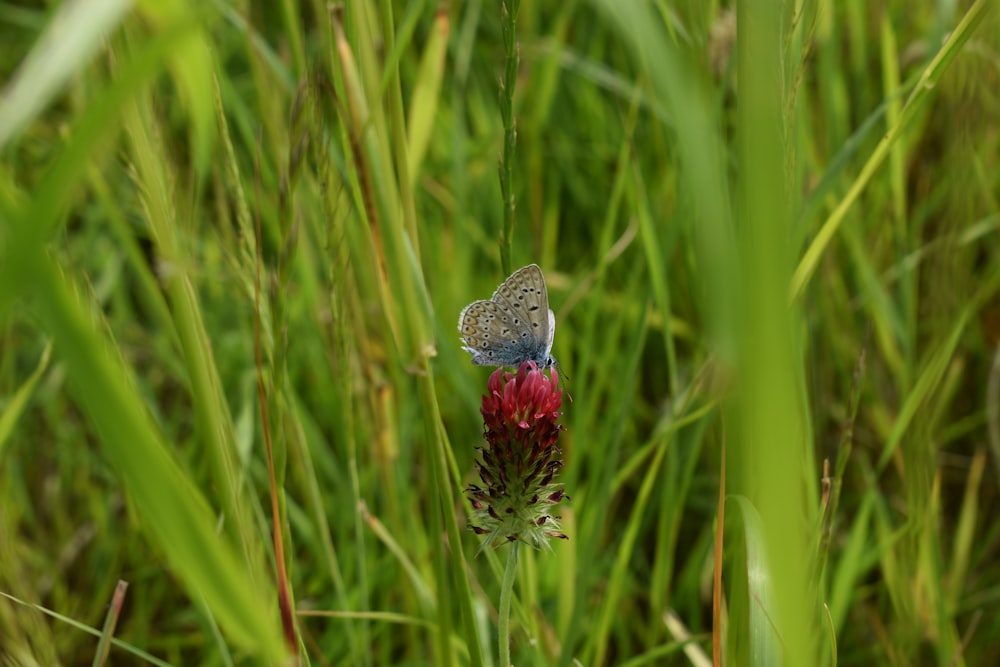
{"x": 508, "y": 23}
{"x": 506, "y": 593}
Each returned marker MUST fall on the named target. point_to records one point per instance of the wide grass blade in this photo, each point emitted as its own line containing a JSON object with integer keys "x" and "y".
{"x": 167, "y": 502}
{"x": 73, "y": 36}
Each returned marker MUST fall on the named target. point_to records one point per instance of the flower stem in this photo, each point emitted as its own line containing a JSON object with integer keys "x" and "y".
{"x": 508, "y": 22}
{"x": 506, "y": 593}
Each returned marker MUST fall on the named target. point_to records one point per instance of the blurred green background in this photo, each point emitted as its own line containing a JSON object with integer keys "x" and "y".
{"x": 234, "y": 242}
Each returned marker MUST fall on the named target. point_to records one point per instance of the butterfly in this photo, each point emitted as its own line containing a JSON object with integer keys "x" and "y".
{"x": 514, "y": 326}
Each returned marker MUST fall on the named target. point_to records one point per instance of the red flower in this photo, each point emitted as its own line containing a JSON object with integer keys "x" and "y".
{"x": 521, "y": 458}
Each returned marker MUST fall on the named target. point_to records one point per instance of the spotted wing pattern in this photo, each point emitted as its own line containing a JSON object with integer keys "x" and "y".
{"x": 515, "y": 326}
{"x": 525, "y": 294}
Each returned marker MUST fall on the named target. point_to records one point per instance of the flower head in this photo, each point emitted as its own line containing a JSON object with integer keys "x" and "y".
{"x": 521, "y": 458}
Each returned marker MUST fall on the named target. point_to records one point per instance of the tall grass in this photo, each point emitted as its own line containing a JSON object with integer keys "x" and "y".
{"x": 234, "y": 241}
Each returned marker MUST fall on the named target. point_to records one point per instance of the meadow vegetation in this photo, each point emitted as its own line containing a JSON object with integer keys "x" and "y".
{"x": 235, "y": 238}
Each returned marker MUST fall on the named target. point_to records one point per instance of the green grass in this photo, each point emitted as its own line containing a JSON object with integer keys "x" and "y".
{"x": 234, "y": 243}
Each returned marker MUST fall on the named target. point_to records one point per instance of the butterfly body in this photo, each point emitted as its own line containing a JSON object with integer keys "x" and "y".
{"x": 514, "y": 326}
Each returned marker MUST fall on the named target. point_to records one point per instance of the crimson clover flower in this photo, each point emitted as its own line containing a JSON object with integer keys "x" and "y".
{"x": 521, "y": 458}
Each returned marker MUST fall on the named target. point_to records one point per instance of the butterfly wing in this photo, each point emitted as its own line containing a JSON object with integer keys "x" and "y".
{"x": 514, "y": 326}
{"x": 525, "y": 295}
{"x": 552, "y": 335}
{"x": 488, "y": 331}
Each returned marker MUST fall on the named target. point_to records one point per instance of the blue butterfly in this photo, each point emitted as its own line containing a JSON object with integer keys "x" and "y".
{"x": 514, "y": 326}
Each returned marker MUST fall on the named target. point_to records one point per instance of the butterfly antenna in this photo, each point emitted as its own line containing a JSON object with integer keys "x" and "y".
{"x": 563, "y": 376}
